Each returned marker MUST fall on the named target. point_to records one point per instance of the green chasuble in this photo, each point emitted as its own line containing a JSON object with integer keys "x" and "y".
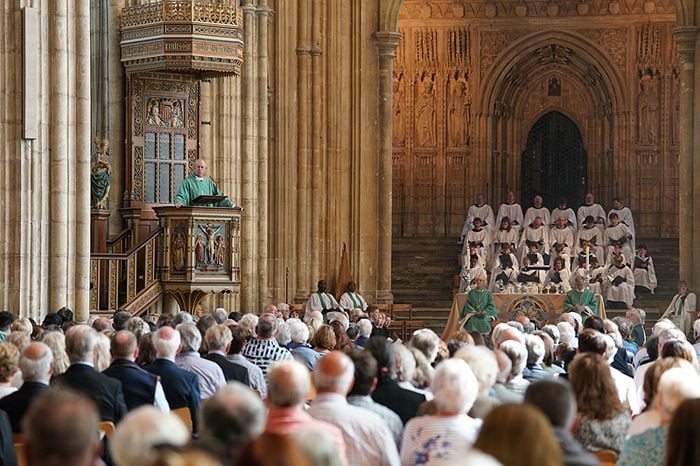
{"x": 585, "y": 298}
{"x": 480, "y": 303}
{"x": 191, "y": 188}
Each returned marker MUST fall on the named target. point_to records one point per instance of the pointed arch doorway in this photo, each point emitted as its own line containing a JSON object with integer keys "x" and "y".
{"x": 554, "y": 162}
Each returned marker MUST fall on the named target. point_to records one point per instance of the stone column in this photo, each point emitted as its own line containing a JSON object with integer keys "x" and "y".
{"x": 386, "y": 46}
{"x": 316, "y": 130}
{"x": 82, "y": 161}
{"x": 685, "y": 37}
{"x": 303, "y": 149}
{"x": 263, "y": 156}
{"x": 248, "y": 157}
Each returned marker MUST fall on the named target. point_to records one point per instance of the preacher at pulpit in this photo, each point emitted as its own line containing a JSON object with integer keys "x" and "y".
{"x": 198, "y": 184}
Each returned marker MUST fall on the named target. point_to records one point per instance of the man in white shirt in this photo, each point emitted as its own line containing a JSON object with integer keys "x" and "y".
{"x": 512, "y": 210}
{"x": 368, "y": 440}
{"x": 589, "y": 207}
{"x": 352, "y": 300}
{"x": 537, "y": 210}
{"x": 479, "y": 210}
{"x": 320, "y": 301}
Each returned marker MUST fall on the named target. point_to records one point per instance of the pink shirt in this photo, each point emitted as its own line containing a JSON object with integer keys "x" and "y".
{"x": 286, "y": 421}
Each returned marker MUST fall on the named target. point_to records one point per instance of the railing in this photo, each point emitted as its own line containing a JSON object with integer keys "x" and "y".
{"x": 126, "y": 280}
{"x": 120, "y": 243}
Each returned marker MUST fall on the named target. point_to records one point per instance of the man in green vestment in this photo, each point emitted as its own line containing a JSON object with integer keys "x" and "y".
{"x": 580, "y": 299}
{"x": 479, "y": 309}
{"x": 198, "y": 184}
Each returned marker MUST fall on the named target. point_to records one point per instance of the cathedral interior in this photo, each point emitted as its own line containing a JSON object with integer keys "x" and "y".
{"x": 336, "y": 125}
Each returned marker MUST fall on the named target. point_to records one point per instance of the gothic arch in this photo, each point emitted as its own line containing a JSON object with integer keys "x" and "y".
{"x": 389, "y": 15}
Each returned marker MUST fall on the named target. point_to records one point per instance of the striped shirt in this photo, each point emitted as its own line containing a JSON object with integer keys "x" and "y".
{"x": 264, "y": 353}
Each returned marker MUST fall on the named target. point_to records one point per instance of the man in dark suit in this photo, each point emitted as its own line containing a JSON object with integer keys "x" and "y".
{"x": 82, "y": 377}
{"x": 403, "y": 402}
{"x": 140, "y": 387}
{"x": 218, "y": 339}
{"x": 36, "y": 364}
{"x": 181, "y": 387}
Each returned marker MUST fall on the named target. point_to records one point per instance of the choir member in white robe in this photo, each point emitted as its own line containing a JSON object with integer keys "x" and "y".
{"x": 618, "y": 234}
{"x": 561, "y": 234}
{"x": 621, "y": 284}
{"x": 528, "y": 275}
{"x": 512, "y": 210}
{"x": 505, "y": 269}
{"x": 643, "y": 268}
{"x": 537, "y": 210}
{"x": 589, "y": 207}
{"x": 538, "y": 234}
{"x": 506, "y": 233}
{"x": 559, "y": 276}
{"x": 591, "y": 236}
{"x": 481, "y": 239}
{"x": 595, "y": 282}
{"x": 320, "y": 301}
{"x": 351, "y": 299}
{"x": 560, "y": 253}
{"x": 469, "y": 273}
{"x": 482, "y": 211}
{"x": 567, "y": 212}
{"x": 625, "y": 216}
{"x": 682, "y": 310}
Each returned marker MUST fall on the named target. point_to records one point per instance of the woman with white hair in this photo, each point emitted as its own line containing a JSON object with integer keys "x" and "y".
{"x": 451, "y": 432}
{"x": 649, "y": 448}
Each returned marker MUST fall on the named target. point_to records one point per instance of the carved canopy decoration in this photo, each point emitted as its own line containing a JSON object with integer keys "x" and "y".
{"x": 194, "y": 36}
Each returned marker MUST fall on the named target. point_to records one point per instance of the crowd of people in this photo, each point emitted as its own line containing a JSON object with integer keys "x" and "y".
{"x": 551, "y": 249}
{"x": 332, "y": 389}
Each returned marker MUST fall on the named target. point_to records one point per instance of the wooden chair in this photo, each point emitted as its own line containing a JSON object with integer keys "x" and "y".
{"x": 412, "y": 326}
{"x": 402, "y": 311}
{"x": 107, "y": 428}
{"x": 184, "y": 415}
{"x": 606, "y": 457}
{"x": 20, "y": 449}
{"x": 397, "y": 328}
{"x": 385, "y": 308}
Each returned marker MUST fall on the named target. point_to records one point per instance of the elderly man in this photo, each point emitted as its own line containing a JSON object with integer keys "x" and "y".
{"x": 589, "y": 207}
{"x": 181, "y": 387}
{"x": 479, "y": 309}
{"x": 581, "y": 299}
{"x": 198, "y": 184}
{"x": 218, "y": 340}
{"x": 537, "y": 210}
{"x": 211, "y": 377}
{"x": 367, "y": 437}
{"x": 321, "y": 300}
{"x": 557, "y": 401}
{"x": 365, "y": 327}
{"x": 230, "y": 419}
{"x": 61, "y": 429}
{"x": 36, "y": 364}
{"x": 82, "y": 377}
{"x": 482, "y": 211}
{"x": 264, "y": 350}
{"x": 255, "y": 374}
{"x": 512, "y": 210}
{"x": 364, "y": 384}
{"x": 140, "y": 387}
{"x": 535, "y": 355}
{"x": 288, "y": 387}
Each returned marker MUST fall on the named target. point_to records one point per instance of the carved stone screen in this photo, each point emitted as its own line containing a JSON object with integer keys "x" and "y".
{"x": 472, "y": 78}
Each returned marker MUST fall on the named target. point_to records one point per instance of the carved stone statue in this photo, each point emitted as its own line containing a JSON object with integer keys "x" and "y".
{"x": 179, "y": 251}
{"x": 100, "y": 176}
{"x": 459, "y": 120}
{"x": 399, "y": 129}
{"x": 648, "y": 111}
{"x": 425, "y": 112}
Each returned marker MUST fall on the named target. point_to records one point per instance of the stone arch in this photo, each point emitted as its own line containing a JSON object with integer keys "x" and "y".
{"x": 514, "y": 97}
{"x": 389, "y": 15}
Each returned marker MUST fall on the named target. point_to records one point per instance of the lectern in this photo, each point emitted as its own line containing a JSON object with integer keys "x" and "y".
{"x": 200, "y": 252}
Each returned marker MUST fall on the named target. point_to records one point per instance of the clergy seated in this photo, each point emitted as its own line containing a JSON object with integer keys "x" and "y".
{"x": 644, "y": 272}
{"x": 581, "y": 299}
{"x": 321, "y": 300}
{"x": 620, "y": 292}
{"x": 479, "y": 309}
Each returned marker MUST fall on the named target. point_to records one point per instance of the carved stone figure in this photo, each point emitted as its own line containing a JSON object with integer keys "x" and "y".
{"x": 199, "y": 250}
{"x": 179, "y": 251}
{"x": 459, "y": 120}
{"x": 220, "y": 250}
{"x": 154, "y": 118}
{"x": 100, "y": 176}
{"x": 210, "y": 232}
{"x": 176, "y": 120}
{"x": 425, "y": 112}
{"x": 399, "y": 129}
{"x": 648, "y": 106}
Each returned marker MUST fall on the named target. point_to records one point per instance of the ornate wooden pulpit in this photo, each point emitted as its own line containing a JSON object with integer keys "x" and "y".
{"x": 200, "y": 252}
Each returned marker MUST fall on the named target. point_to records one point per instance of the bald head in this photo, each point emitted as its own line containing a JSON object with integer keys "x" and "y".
{"x": 123, "y": 345}
{"x": 36, "y": 363}
{"x": 334, "y": 373}
{"x": 288, "y": 384}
